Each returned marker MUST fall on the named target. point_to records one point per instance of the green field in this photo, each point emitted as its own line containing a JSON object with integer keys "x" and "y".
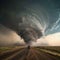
{"x": 3, "y": 49}
{"x": 51, "y": 48}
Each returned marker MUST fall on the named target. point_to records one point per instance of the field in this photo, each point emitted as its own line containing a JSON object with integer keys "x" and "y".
{"x": 32, "y": 53}
{"x": 51, "y": 48}
{"x": 5, "y": 49}
{"x": 2, "y": 49}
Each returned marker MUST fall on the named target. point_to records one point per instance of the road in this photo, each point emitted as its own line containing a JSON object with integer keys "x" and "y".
{"x": 27, "y": 54}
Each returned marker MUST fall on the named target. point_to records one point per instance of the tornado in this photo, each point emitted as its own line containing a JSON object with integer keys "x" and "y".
{"x": 30, "y": 34}
{"x": 25, "y": 28}
{"x": 29, "y": 30}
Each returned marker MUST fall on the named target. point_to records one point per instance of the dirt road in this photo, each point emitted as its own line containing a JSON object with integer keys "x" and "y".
{"x": 27, "y": 54}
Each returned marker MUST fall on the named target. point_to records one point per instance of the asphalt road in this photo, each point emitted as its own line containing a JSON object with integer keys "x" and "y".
{"x": 27, "y": 54}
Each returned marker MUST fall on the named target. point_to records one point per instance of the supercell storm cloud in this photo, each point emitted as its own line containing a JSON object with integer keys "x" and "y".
{"x": 28, "y": 31}
{"x": 31, "y": 19}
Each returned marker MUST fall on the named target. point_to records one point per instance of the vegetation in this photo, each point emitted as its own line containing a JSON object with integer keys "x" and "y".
{"x": 5, "y": 48}
{"x": 51, "y": 48}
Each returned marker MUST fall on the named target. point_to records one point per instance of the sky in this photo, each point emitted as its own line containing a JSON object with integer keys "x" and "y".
{"x": 9, "y": 37}
{"x": 30, "y": 20}
{"x": 49, "y": 40}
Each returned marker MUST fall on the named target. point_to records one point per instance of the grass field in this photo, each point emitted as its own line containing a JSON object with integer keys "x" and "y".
{"x": 3, "y": 49}
{"x": 51, "y": 48}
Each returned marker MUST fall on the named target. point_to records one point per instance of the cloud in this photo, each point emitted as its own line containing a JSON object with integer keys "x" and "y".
{"x": 53, "y": 39}
{"x": 40, "y": 42}
{"x": 50, "y": 40}
{"x": 9, "y": 37}
{"x": 39, "y": 17}
{"x": 55, "y": 24}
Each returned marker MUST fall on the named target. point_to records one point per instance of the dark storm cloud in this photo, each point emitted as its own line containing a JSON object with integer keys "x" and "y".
{"x": 30, "y": 34}
{"x": 8, "y": 18}
{"x": 26, "y": 17}
{"x": 4, "y": 30}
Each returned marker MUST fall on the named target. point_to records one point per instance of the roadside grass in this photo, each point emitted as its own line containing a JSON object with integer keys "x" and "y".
{"x": 50, "y": 52}
{"x": 2, "y": 49}
{"x": 5, "y": 48}
{"x": 51, "y": 48}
